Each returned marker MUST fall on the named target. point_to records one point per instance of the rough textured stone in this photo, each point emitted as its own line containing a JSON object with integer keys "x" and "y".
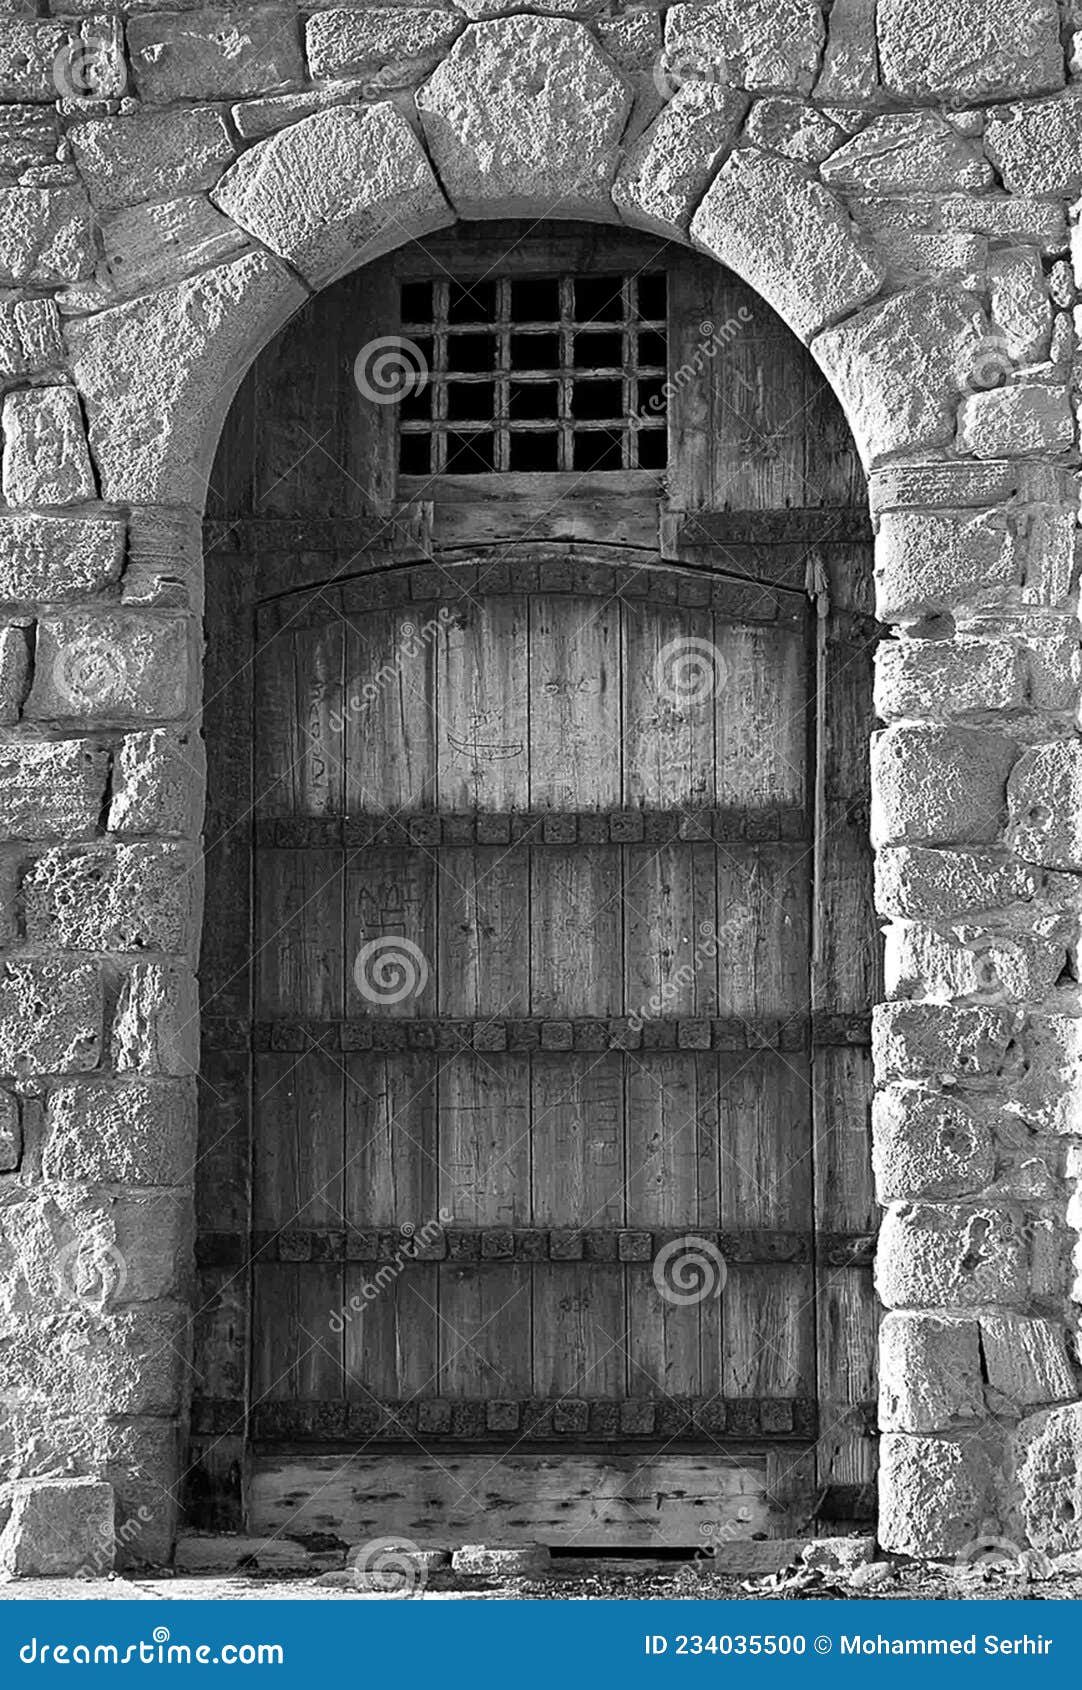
{"x": 58, "y": 558}
{"x": 1044, "y": 797}
{"x": 949, "y": 1256}
{"x": 479, "y": 1560}
{"x": 943, "y": 678}
{"x": 135, "y": 1132}
{"x": 157, "y": 779}
{"x": 930, "y": 1144}
{"x": 928, "y": 885}
{"x": 335, "y": 190}
{"x": 50, "y": 788}
{"x": 1048, "y": 1456}
{"x": 665, "y": 174}
{"x": 759, "y": 44}
{"x": 929, "y": 1373}
{"x": 909, "y": 151}
{"x": 113, "y": 665}
{"x": 391, "y": 46}
{"x": 1016, "y": 421}
{"x": 157, "y": 375}
{"x": 899, "y": 366}
{"x": 14, "y": 671}
{"x": 1048, "y": 1094}
{"x": 11, "y": 1133}
{"x": 1020, "y": 309}
{"x": 1036, "y": 145}
{"x": 936, "y": 1042}
{"x": 46, "y": 236}
{"x": 150, "y": 155}
{"x": 938, "y": 785}
{"x": 146, "y": 245}
{"x": 50, "y": 1016}
{"x": 46, "y": 461}
{"x": 850, "y": 71}
{"x": 792, "y": 128}
{"x": 156, "y": 1024}
{"x": 105, "y": 897}
{"x": 46, "y": 60}
{"x": 789, "y": 238}
{"x": 1026, "y": 1362}
{"x": 140, "y": 1459}
{"x": 969, "y": 50}
{"x": 57, "y": 1526}
{"x": 255, "y": 119}
{"x": 927, "y": 562}
{"x": 557, "y": 162}
{"x": 973, "y": 962}
{"x": 29, "y": 337}
{"x": 935, "y": 1494}
{"x": 214, "y": 54}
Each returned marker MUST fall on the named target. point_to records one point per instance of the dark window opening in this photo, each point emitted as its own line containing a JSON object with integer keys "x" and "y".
{"x": 538, "y": 373}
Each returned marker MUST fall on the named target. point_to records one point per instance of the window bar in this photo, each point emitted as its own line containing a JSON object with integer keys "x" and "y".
{"x": 501, "y": 448}
{"x": 566, "y": 448}
{"x": 441, "y": 305}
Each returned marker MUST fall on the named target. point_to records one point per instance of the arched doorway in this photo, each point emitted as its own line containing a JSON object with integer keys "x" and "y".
{"x": 539, "y": 944}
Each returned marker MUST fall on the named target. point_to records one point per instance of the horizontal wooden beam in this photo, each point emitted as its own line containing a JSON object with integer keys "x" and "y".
{"x": 534, "y": 827}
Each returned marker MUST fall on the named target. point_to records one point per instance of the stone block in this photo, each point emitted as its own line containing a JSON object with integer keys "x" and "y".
{"x": 57, "y": 1527}
{"x": 214, "y": 54}
{"x": 930, "y": 885}
{"x": 14, "y": 671}
{"x": 112, "y": 666}
{"x": 936, "y": 1495}
{"x": 558, "y": 164}
{"x": 1048, "y": 1092}
{"x": 156, "y": 375}
{"x": 1026, "y": 1363}
{"x": 939, "y": 786}
{"x": 951, "y": 1256}
{"x": 158, "y": 780}
{"x": 254, "y": 120}
{"x": 757, "y": 44}
{"x": 929, "y": 1373}
{"x": 939, "y": 1043}
{"x": 58, "y": 558}
{"x": 791, "y": 127}
{"x": 1048, "y": 1461}
{"x": 971, "y": 962}
{"x": 46, "y": 236}
{"x": 150, "y": 155}
{"x": 1044, "y": 800}
{"x": 1021, "y": 421}
{"x": 131, "y": 1132}
{"x": 50, "y": 788}
{"x": 141, "y": 1460}
{"x": 1036, "y": 145}
{"x": 850, "y": 70}
{"x": 969, "y": 51}
{"x": 45, "y": 460}
{"x": 46, "y": 60}
{"x": 1020, "y": 308}
{"x": 134, "y": 1359}
{"x": 29, "y": 337}
{"x": 664, "y": 175}
{"x": 11, "y": 1133}
{"x": 335, "y": 190}
{"x": 391, "y": 46}
{"x": 928, "y": 562}
{"x": 105, "y": 897}
{"x": 50, "y": 1016}
{"x": 931, "y": 1144}
{"x": 908, "y": 152}
{"x": 481, "y": 1560}
{"x": 938, "y": 679}
{"x": 899, "y": 366}
{"x": 789, "y": 238}
{"x": 156, "y": 1024}
{"x": 148, "y": 245}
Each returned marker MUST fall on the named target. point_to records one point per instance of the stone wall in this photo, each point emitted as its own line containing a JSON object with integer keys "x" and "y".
{"x": 896, "y": 178}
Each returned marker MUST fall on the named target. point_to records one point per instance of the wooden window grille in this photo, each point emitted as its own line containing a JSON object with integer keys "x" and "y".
{"x": 536, "y": 374}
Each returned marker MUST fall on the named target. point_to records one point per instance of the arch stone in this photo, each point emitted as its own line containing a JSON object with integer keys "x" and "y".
{"x": 976, "y": 1125}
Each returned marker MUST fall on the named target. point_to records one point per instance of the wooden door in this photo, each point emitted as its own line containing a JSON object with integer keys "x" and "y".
{"x": 538, "y": 956}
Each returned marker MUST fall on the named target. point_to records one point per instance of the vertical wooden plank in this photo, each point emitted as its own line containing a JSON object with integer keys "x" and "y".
{"x": 578, "y": 1140}
{"x": 297, "y": 1151}
{"x": 694, "y": 286}
{"x": 297, "y": 1353}
{"x": 390, "y": 933}
{"x": 671, "y": 668}
{"x": 765, "y": 1142}
{"x": 670, "y": 929}
{"x": 484, "y": 1138}
{"x": 483, "y": 689}
{"x": 580, "y": 1333}
{"x": 298, "y": 698}
{"x": 763, "y": 925}
{"x": 576, "y": 948}
{"x": 762, "y": 717}
{"x": 671, "y": 1151}
{"x": 391, "y": 1168}
{"x": 298, "y": 914}
{"x": 484, "y": 1331}
{"x": 391, "y": 1331}
{"x": 575, "y": 726}
{"x": 757, "y": 384}
{"x": 768, "y": 1339}
{"x": 484, "y": 932}
{"x": 388, "y": 710}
